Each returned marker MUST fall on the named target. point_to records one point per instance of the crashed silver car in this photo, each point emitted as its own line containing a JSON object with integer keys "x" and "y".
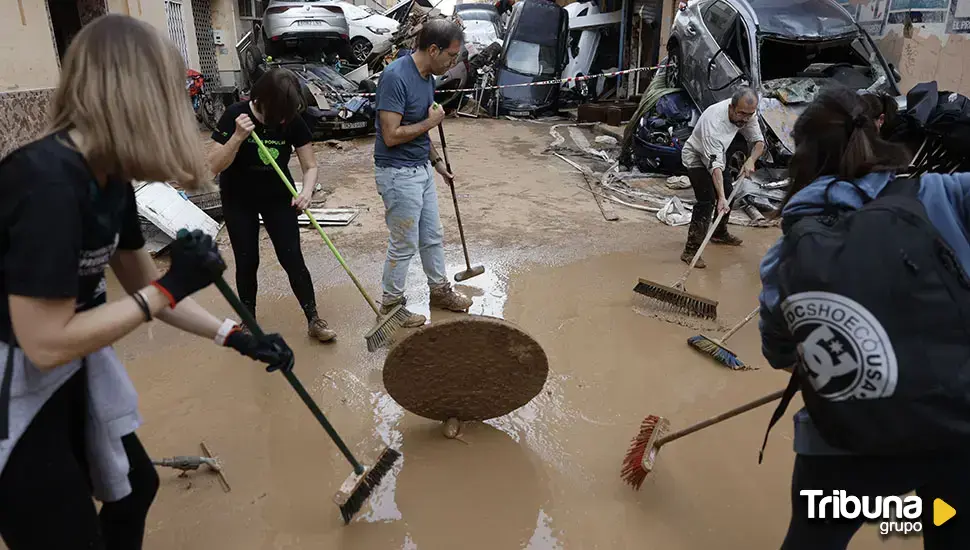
{"x": 787, "y": 49}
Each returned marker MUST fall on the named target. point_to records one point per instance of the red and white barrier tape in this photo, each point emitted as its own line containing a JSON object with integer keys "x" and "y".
{"x": 545, "y": 82}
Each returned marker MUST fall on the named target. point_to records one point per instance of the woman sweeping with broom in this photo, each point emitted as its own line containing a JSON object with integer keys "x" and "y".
{"x": 250, "y": 187}
{"x": 68, "y": 411}
{"x": 866, "y": 300}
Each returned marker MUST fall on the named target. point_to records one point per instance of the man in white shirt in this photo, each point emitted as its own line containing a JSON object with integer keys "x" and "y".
{"x": 704, "y": 157}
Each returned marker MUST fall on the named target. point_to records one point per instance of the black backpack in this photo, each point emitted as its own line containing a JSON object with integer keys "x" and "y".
{"x": 880, "y": 310}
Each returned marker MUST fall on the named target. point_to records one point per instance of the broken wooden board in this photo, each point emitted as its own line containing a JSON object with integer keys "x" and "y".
{"x": 605, "y": 207}
{"x": 168, "y": 210}
{"x": 328, "y": 216}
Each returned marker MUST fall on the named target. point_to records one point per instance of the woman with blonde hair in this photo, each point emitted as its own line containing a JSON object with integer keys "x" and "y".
{"x": 68, "y": 410}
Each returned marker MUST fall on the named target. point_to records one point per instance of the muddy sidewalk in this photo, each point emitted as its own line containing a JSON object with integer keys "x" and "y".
{"x": 543, "y": 477}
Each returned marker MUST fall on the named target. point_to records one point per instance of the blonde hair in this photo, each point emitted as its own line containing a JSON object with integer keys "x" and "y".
{"x": 122, "y": 86}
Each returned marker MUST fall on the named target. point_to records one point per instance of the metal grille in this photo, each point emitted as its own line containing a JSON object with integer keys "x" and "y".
{"x": 176, "y": 27}
{"x": 202, "y": 16}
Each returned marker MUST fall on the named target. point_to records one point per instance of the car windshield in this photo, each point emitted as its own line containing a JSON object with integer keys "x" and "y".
{"x": 530, "y": 59}
{"x": 477, "y": 15}
{"x": 480, "y": 31}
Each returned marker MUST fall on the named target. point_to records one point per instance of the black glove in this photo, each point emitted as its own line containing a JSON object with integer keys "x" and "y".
{"x": 270, "y": 349}
{"x": 196, "y": 263}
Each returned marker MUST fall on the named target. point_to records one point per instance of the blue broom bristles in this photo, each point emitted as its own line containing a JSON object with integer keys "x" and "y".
{"x": 720, "y": 354}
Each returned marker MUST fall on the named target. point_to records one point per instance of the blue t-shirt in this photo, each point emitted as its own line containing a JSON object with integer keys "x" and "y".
{"x": 401, "y": 89}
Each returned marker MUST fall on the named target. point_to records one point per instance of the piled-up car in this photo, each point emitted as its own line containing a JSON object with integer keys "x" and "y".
{"x": 786, "y": 49}
{"x": 336, "y": 108}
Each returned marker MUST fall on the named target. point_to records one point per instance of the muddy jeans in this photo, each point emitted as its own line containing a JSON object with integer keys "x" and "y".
{"x": 700, "y": 220}
{"x": 411, "y": 214}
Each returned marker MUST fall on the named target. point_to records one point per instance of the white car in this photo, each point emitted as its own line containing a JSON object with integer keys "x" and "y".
{"x": 368, "y": 30}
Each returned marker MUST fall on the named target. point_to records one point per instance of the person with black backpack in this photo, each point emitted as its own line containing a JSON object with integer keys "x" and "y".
{"x": 866, "y": 301}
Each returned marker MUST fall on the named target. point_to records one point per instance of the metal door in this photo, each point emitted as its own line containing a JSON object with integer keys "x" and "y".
{"x": 202, "y": 16}
{"x": 176, "y": 27}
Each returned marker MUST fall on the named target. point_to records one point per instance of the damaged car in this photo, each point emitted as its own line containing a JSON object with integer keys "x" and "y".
{"x": 336, "y": 108}
{"x": 786, "y": 49}
{"x": 535, "y": 50}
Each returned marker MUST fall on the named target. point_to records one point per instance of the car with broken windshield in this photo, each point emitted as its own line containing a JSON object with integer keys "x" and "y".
{"x": 786, "y": 49}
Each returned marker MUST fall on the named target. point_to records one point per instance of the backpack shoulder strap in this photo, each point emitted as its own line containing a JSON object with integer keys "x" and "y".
{"x": 902, "y": 187}
{"x": 786, "y": 398}
{"x": 5, "y": 388}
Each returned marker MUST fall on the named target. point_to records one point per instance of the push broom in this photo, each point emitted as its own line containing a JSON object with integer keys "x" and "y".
{"x": 380, "y": 335}
{"x": 717, "y": 350}
{"x": 356, "y": 489}
{"x": 676, "y": 295}
{"x": 469, "y": 271}
{"x": 642, "y": 455}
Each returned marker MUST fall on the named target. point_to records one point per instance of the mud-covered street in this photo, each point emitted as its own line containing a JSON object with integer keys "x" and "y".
{"x": 544, "y": 477}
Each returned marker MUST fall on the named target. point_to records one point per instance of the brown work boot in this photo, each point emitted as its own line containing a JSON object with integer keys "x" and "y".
{"x": 726, "y": 238}
{"x": 414, "y": 321}
{"x": 722, "y": 236}
{"x": 688, "y": 256}
{"x": 317, "y": 328}
{"x": 446, "y": 298}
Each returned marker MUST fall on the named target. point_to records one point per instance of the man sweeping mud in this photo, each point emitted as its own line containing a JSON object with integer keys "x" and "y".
{"x": 704, "y": 157}
{"x": 404, "y": 158}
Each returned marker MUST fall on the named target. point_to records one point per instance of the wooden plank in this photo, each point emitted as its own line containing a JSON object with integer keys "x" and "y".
{"x": 605, "y": 207}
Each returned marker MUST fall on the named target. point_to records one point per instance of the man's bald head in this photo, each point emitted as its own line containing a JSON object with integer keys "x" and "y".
{"x": 744, "y": 105}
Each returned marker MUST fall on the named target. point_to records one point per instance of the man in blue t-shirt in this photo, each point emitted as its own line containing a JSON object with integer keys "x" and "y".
{"x": 404, "y": 158}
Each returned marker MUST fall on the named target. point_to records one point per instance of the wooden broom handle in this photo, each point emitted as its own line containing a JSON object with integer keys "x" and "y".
{"x": 707, "y": 238}
{"x": 721, "y": 417}
{"x": 738, "y": 326}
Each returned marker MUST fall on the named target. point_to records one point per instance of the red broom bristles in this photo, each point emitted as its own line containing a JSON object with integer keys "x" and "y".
{"x": 633, "y": 472}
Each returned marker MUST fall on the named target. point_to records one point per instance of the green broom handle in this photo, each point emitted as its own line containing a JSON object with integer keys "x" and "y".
{"x": 250, "y": 322}
{"x": 262, "y": 148}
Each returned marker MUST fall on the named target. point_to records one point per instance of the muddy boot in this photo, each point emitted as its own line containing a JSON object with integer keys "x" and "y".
{"x": 414, "y": 321}
{"x": 317, "y": 328}
{"x": 447, "y": 298}
{"x": 700, "y": 221}
{"x": 722, "y": 236}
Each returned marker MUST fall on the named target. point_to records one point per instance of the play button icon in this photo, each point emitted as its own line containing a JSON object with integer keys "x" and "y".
{"x": 942, "y": 512}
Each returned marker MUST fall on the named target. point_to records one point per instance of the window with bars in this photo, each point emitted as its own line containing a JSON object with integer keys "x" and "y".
{"x": 251, "y": 9}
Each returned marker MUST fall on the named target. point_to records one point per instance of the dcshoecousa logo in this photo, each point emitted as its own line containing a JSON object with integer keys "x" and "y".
{"x": 843, "y": 346}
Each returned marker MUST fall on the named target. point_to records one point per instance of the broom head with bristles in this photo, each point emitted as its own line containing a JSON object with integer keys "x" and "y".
{"x": 386, "y": 326}
{"x": 698, "y": 306}
{"x": 720, "y": 353}
{"x": 642, "y": 455}
{"x": 356, "y": 489}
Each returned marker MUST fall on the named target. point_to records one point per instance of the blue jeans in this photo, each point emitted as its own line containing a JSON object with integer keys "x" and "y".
{"x": 411, "y": 214}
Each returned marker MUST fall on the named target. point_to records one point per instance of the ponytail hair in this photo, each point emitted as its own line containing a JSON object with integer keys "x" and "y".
{"x": 836, "y": 136}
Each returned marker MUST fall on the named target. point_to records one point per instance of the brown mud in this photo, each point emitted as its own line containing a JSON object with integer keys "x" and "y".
{"x": 546, "y": 476}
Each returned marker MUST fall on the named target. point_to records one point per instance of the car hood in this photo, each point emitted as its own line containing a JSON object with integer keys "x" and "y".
{"x": 524, "y": 97}
{"x": 803, "y": 19}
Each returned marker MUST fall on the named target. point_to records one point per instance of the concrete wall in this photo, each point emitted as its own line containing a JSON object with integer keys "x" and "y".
{"x": 29, "y": 67}
{"x": 27, "y": 53}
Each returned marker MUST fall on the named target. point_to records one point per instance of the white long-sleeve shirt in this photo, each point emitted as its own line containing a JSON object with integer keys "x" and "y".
{"x": 713, "y": 134}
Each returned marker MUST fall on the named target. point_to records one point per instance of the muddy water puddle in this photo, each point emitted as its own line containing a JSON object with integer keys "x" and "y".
{"x": 544, "y": 477}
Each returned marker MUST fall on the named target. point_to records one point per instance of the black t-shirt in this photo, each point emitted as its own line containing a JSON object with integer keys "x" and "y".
{"x": 249, "y": 174}
{"x": 58, "y": 228}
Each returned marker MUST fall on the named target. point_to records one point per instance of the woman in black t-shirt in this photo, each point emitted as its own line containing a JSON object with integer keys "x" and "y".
{"x": 68, "y": 410}
{"x": 251, "y": 188}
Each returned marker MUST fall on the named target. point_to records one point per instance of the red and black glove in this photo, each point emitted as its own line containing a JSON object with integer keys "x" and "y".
{"x": 196, "y": 264}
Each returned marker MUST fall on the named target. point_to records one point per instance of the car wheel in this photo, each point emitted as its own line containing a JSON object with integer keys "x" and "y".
{"x": 673, "y": 72}
{"x": 361, "y": 48}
